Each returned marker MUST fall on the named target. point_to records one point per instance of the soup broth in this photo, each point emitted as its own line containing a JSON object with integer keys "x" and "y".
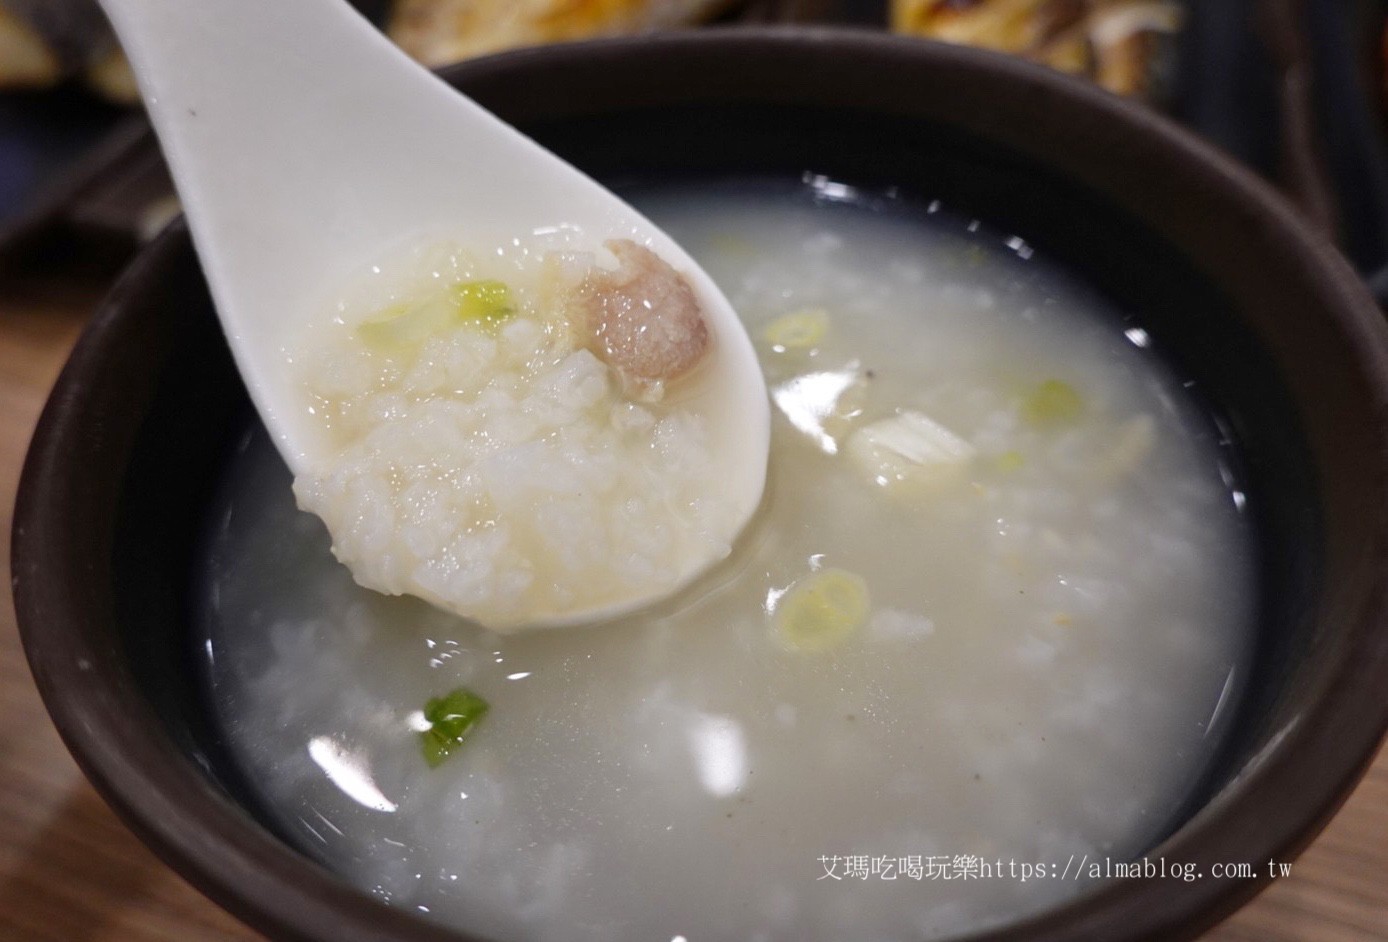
{"x": 988, "y": 622}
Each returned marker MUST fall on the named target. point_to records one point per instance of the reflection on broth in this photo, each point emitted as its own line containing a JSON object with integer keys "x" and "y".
{"x": 997, "y": 593}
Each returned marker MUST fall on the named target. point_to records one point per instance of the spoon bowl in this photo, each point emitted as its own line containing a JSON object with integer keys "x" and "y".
{"x": 304, "y": 145}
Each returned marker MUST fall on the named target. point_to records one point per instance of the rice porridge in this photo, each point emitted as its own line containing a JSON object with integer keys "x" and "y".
{"x": 998, "y": 593}
{"x": 501, "y": 439}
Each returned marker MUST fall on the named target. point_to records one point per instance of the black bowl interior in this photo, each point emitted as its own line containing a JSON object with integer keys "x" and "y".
{"x": 1280, "y": 342}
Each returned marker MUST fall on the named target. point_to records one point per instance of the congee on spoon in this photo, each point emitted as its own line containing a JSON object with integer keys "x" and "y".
{"x": 509, "y": 432}
{"x": 1001, "y": 554}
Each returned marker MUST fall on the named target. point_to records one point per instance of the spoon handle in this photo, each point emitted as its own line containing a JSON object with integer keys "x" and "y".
{"x": 290, "y": 119}
{"x": 303, "y": 144}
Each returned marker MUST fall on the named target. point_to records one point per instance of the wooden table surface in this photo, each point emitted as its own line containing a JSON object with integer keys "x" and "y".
{"x": 70, "y": 872}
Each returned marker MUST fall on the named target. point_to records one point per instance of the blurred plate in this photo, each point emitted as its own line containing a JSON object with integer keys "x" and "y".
{"x": 51, "y": 145}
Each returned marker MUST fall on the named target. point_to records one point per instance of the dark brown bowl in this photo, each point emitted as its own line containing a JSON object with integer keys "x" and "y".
{"x": 1263, "y": 316}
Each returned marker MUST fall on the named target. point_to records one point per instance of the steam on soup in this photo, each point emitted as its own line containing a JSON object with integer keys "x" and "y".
{"x": 999, "y": 592}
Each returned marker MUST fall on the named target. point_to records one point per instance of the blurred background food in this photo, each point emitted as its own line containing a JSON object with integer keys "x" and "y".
{"x": 1124, "y": 45}
{"x": 439, "y": 32}
{"x": 46, "y": 42}
{"x": 1293, "y": 88}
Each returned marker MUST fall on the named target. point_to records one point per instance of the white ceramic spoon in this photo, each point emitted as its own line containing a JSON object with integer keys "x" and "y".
{"x": 303, "y": 143}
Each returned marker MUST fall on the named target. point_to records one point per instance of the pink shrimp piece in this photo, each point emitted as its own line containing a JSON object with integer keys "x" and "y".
{"x": 643, "y": 317}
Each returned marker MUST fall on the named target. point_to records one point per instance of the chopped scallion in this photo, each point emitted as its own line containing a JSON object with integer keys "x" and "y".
{"x": 1010, "y": 461}
{"x": 1053, "y": 402}
{"x": 798, "y": 330}
{"x": 485, "y": 303}
{"x": 822, "y": 610}
{"x": 451, "y": 718}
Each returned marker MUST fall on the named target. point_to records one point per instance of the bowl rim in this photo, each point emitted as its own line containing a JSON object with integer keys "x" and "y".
{"x": 1310, "y": 767}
